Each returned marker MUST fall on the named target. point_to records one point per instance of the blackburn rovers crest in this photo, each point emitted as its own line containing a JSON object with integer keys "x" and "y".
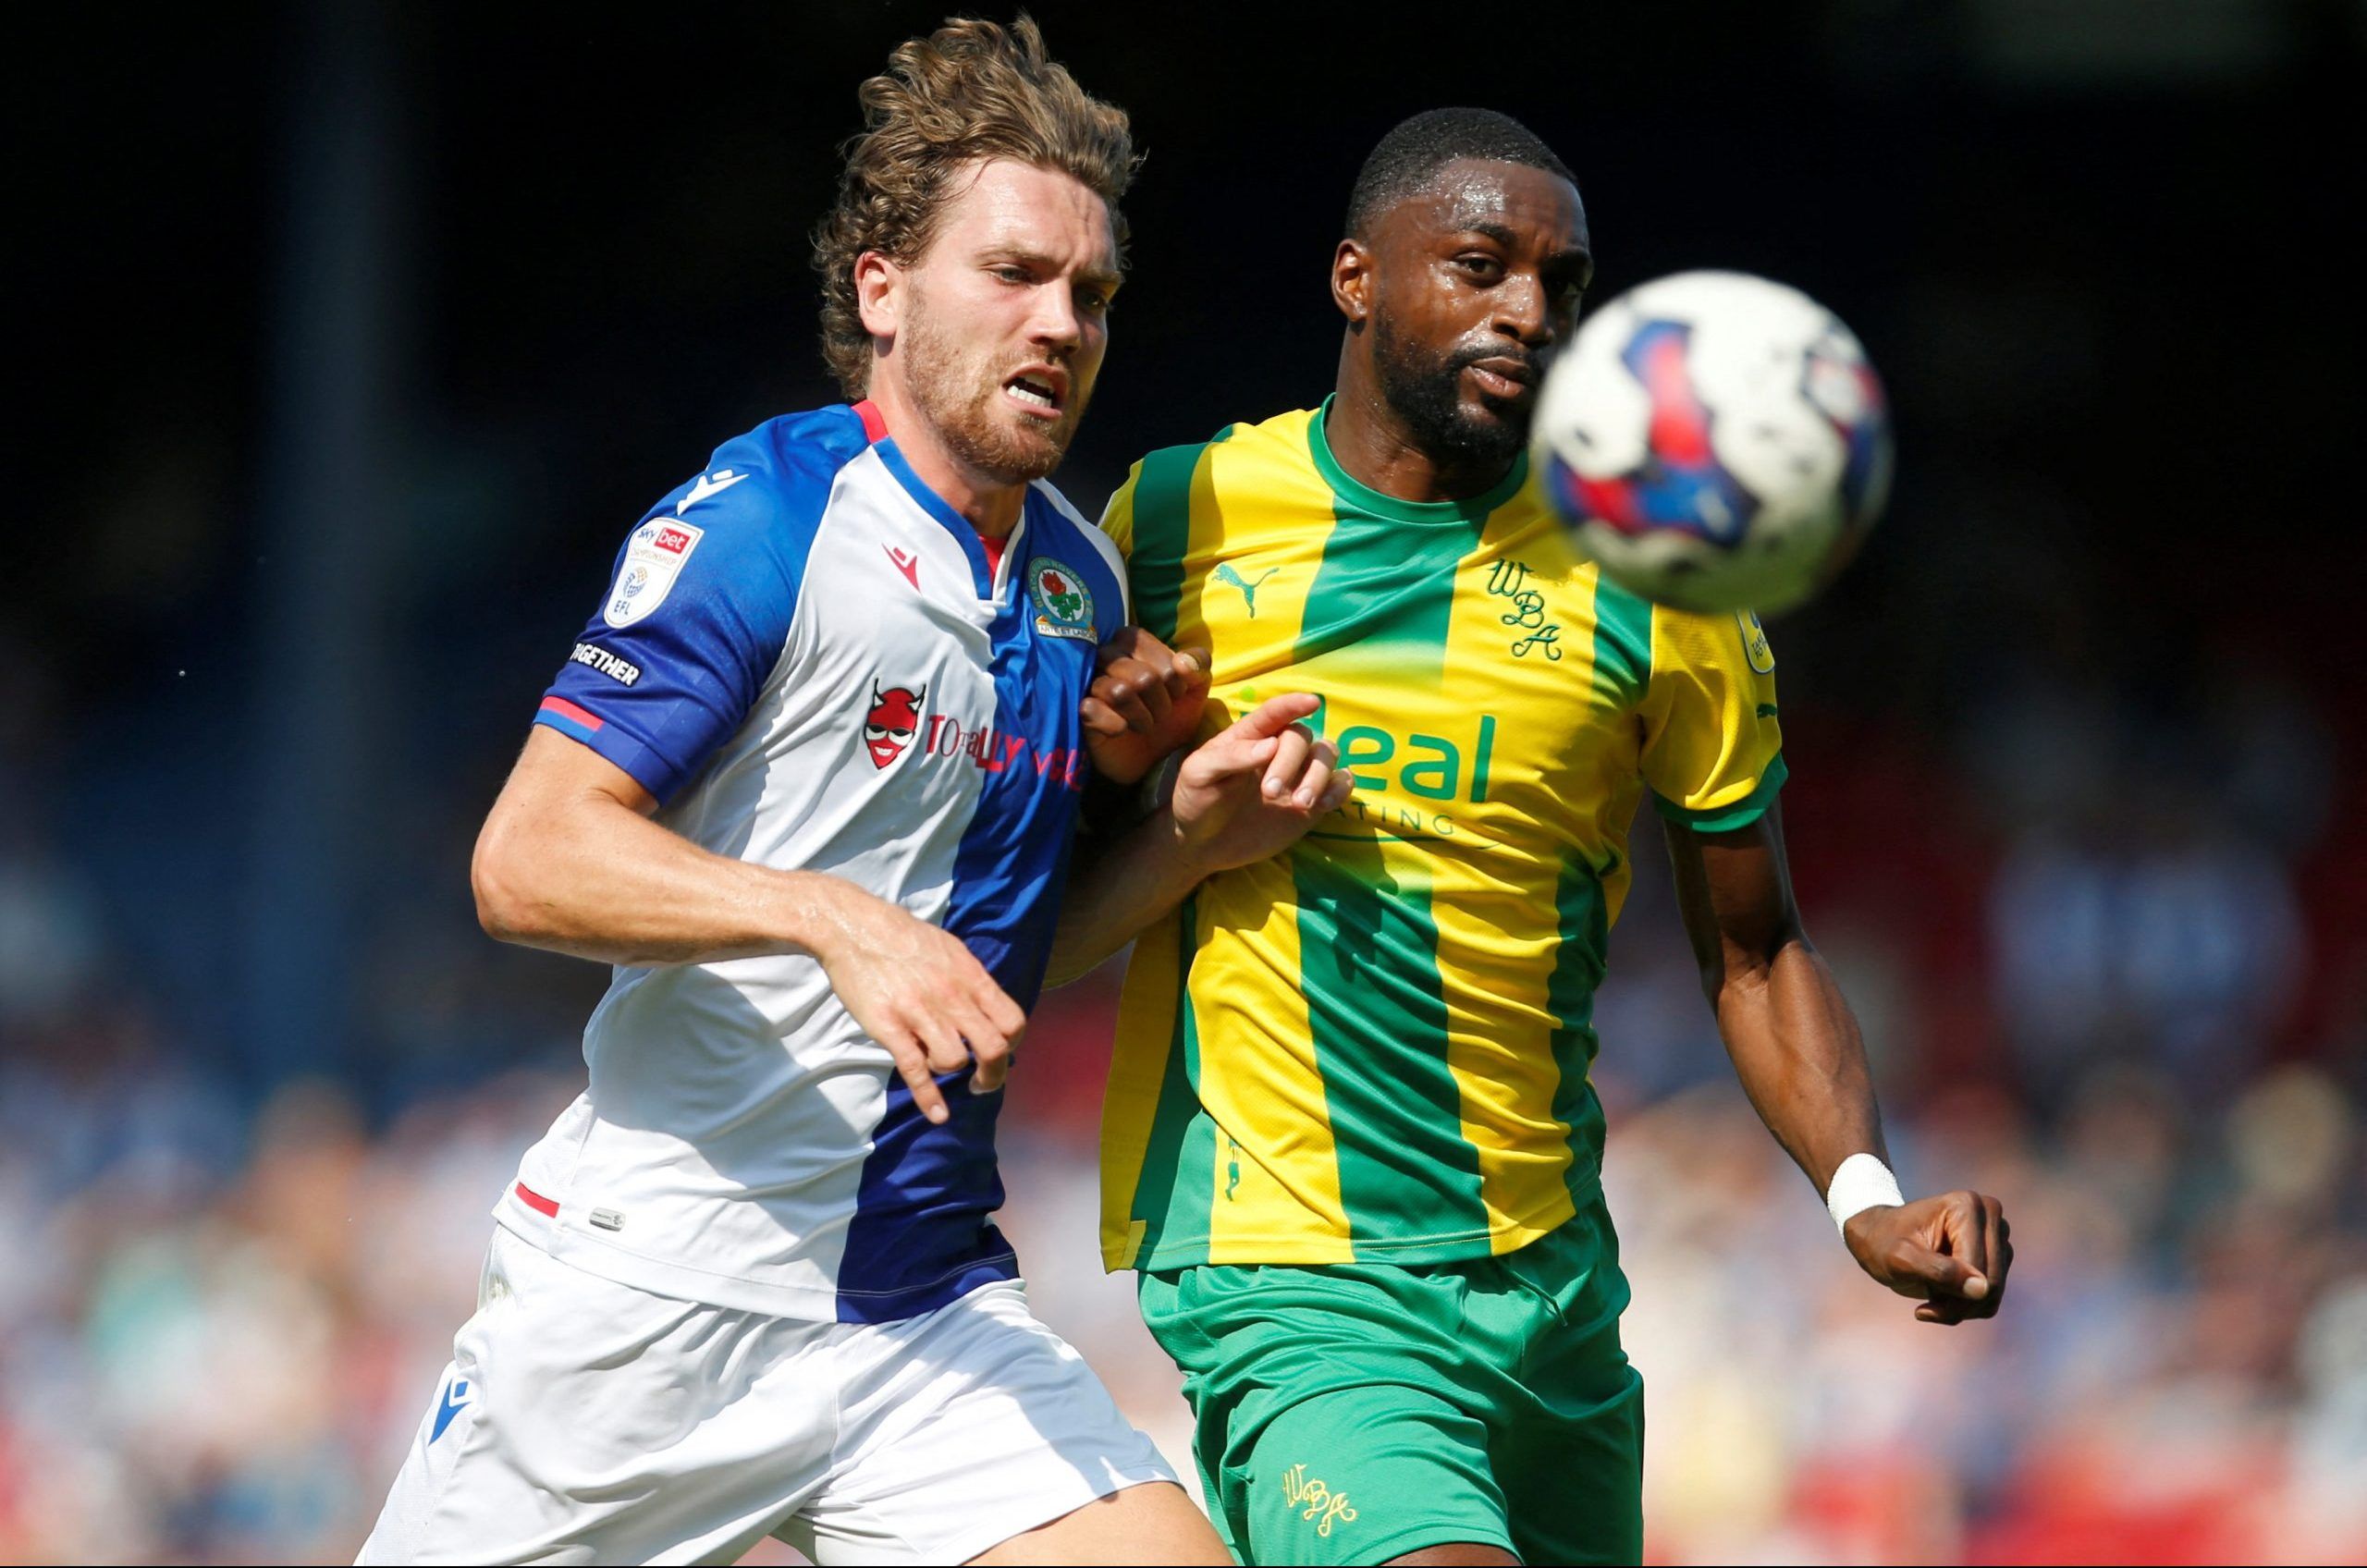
{"x": 1064, "y": 604}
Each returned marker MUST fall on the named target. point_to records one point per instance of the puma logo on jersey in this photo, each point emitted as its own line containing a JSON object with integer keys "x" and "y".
{"x": 1232, "y": 579}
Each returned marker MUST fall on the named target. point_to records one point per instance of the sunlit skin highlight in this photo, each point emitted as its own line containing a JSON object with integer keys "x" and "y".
{"x": 987, "y": 346}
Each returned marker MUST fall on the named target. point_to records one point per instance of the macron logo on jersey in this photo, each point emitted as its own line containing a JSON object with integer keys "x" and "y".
{"x": 456, "y": 1399}
{"x": 707, "y": 484}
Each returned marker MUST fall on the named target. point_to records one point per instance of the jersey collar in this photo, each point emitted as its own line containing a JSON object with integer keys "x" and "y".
{"x": 982, "y": 578}
{"x": 1365, "y": 498}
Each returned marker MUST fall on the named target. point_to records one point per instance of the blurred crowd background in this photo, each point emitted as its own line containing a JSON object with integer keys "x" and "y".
{"x": 354, "y": 338}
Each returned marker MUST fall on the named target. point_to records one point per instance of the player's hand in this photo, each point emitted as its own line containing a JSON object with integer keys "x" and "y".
{"x": 1145, "y": 701}
{"x": 919, "y": 991}
{"x": 1255, "y": 788}
{"x": 1950, "y": 1252}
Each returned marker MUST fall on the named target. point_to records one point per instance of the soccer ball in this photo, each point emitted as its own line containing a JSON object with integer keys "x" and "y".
{"x": 1715, "y": 441}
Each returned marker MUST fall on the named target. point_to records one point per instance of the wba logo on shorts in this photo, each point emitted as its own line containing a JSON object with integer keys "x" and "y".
{"x": 1317, "y": 1503}
{"x": 890, "y": 723}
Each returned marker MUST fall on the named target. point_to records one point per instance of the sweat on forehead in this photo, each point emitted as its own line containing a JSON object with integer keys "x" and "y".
{"x": 1469, "y": 193}
{"x": 1410, "y": 158}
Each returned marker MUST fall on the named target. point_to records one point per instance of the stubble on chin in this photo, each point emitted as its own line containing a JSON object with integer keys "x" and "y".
{"x": 1425, "y": 392}
{"x": 961, "y": 400}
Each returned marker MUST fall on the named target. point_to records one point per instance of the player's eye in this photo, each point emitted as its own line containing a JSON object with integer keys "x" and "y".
{"x": 1009, "y": 271}
{"x": 1481, "y": 267}
{"x": 1093, "y": 300}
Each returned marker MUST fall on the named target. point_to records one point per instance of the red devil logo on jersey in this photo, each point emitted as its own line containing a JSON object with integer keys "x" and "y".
{"x": 888, "y": 729}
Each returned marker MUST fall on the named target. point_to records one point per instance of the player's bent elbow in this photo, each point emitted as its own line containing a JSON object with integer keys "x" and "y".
{"x": 506, "y": 910}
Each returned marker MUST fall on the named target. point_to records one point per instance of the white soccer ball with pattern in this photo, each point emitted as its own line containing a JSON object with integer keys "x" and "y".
{"x": 1716, "y": 441}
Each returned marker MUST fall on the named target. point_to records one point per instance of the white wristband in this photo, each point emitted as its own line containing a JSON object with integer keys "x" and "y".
{"x": 1861, "y": 1184}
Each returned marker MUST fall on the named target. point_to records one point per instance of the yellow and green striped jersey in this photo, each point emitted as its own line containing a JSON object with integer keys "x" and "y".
{"x": 1375, "y": 1048}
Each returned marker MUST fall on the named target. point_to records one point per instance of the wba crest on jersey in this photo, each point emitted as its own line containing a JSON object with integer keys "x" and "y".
{"x": 653, "y": 560}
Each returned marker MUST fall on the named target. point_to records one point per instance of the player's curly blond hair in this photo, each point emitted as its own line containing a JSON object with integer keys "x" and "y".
{"x": 970, "y": 90}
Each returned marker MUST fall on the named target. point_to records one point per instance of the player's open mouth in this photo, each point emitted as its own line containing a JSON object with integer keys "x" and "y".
{"x": 1039, "y": 389}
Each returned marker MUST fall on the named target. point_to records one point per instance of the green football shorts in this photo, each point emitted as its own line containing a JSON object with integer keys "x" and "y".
{"x": 1355, "y": 1412}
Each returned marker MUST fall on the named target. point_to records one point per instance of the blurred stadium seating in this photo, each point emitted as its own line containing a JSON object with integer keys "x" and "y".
{"x": 218, "y": 1326}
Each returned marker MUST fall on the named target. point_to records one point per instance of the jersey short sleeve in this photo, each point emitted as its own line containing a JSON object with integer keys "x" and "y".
{"x": 697, "y": 613}
{"x": 1713, "y": 752}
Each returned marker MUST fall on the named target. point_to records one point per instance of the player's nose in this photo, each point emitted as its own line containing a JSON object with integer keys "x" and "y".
{"x": 1523, "y": 310}
{"x": 1055, "y": 322}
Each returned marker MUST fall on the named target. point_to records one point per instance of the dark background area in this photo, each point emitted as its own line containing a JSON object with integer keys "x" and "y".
{"x": 354, "y": 337}
{"x": 2108, "y": 272}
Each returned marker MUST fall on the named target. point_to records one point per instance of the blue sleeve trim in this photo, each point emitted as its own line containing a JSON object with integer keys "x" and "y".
{"x": 645, "y": 767}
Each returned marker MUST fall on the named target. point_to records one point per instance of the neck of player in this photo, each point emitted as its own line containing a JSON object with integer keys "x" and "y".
{"x": 1373, "y": 445}
{"x": 991, "y": 506}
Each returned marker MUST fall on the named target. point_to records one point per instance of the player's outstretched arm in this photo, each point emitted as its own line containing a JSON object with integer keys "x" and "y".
{"x": 569, "y": 860}
{"x": 1796, "y": 1049}
{"x": 1249, "y": 791}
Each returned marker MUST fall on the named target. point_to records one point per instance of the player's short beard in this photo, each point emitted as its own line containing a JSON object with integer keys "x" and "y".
{"x": 957, "y": 390}
{"x": 1425, "y": 390}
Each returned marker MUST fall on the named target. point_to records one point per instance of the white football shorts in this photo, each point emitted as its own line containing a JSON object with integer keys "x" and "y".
{"x": 585, "y": 1421}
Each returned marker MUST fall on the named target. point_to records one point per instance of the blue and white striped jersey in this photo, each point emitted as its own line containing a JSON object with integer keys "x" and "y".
{"x": 807, "y": 659}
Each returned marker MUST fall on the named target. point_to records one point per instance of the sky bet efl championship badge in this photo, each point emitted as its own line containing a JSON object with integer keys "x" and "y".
{"x": 652, "y": 562}
{"x": 1754, "y": 641}
{"x": 1063, "y": 605}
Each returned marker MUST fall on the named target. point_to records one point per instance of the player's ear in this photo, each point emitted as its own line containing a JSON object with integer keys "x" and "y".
{"x": 1352, "y": 282}
{"x": 878, "y": 293}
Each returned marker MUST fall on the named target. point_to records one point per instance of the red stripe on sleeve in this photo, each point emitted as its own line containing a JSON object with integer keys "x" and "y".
{"x": 566, "y": 709}
{"x": 536, "y": 1200}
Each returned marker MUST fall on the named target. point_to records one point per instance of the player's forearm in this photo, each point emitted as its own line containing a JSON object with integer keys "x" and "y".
{"x": 1797, "y": 1050}
{"x": 1139, "y": 876}
{"x": 596, "y": 880}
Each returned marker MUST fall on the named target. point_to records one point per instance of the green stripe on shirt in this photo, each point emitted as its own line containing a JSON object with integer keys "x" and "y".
{"x": 1369, "y": 961}
{"x": 1623, "y": 643}
{"x": 1163, "y": 533}
{"x": 1176, "y": 1189}
{"x": 1582, "y": 926}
